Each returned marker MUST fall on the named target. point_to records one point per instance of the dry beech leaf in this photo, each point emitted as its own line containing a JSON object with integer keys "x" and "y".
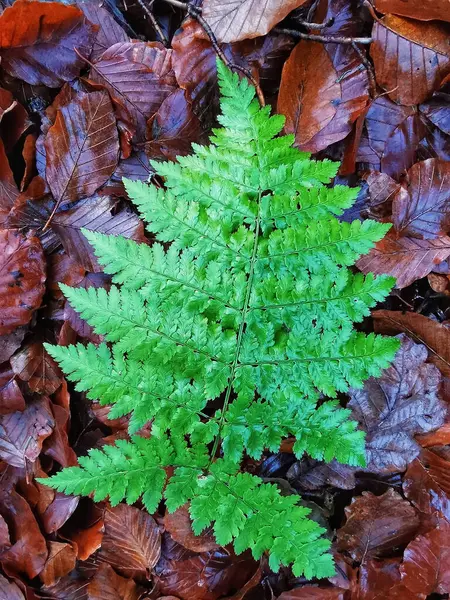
{"x": 310, "y": 475}
{"x": 322, "y": 93}
{"x": 60, "y": 509}
{"x": 35, "y": 366}
{"x": 82, "y": 147}
{"x": 434, "y": 335}
{"x": 9, "y": 343}
{"x": 13, "y": 120}
{"x": 11, "y": 397}
{"x": 437, "y": 110}
{"x": 406, "y": 258}
{"x": 71, "y": 587}
{"x": 107, "y": 585}
{"x": 8, "y": 187}
{"x": 423, "y": 10}
{"x": 61, "y": 560}
{"x": 309, "y": 592}
{"x": 138, "y": 76}
{"x": 179, "y": 525}
{"x": 377, "y": 524}
{"x": 411, "y": 58}
{"x": 382, "y": 189}
{"x": 376, "y": 579}
{"x": 173, "y": 129}
{"x": 131, "y": 542}
{"x": 38, "y": 41}
{"x": 109, "y": 31}
{"x": 421, "y": 207}
{"x": 392, "y": 137}
{"x": 426, "y": 562}
{"x": 9, "y": 590}
{"x": 22, "y": 433}
{"x": 22, "y": 279}
{"x": 57, "y": 446}
{"x": 393, "y": 408}
{"x": 427, "y": 482}
{"x": 28, "y": 553}
{"x": 234, "y": 20}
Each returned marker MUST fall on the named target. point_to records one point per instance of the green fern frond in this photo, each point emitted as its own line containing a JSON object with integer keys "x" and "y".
{"x": 244, "y": 301}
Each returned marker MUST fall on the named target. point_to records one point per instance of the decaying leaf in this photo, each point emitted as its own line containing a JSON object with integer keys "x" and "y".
{"x": 61, "y": 560}
{"x": 22, "y": 278}
{"x": 179, "y": 525}
{"x": 427, "y": 482}
{"x": 35, "y": 366}
{"x": 425, "y": 10}
{"x": 377, "y": 524}
{"x": 107, "y": 585}
{"x": 38, "y": 41}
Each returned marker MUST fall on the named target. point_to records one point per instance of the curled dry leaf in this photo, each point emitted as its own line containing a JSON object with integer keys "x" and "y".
{"x": 322, "y": 93}
{"x": 82, "y": 147}
{"x": 309, "y": 592}
{"x": 426, "y": 562}
{"x": 425, "y": 10}
{"x": 406, "y": 258}
{"x": 234, "y": 20}
{"x": 9, "y": 590}
{"x": 131, "y": 542}
{"x": 393, "y": 134}
{"x": 411, "y": 58}
{"x": 427, "y": 482}
{"x": 107, "y": 585}
{"x": 179, "y": 525}
{"x": 421, "y": 208}
{"x": 434, "y": 335}
{"x": 377, "y": 524}
{"x": 28, "y": 553}
{"x": 173, "y": 129}
{"x": 13, "y": 119}
{"x": 138, "y": 76}
{"x": 60, "y": 509}
{"x": 395, "y": 407}
{"x": 22, "y": 279}
{"x": 35, "y": 366}
{"x": 61, "y": 560}
{"x": 22, "y": 433}
{"x": 38, "y": 41}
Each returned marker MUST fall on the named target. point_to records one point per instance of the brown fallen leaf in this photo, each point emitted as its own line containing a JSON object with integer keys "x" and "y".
{"x": 382, "y": 190}
{"x": 38, "y": 41}
{"x": 107, "y": 585}
{"x": 14, "y": 120}
{"x": 406, "y": 258}
{"x": 421, "y": 207}
{"x": 138, "y": 76}
{"x": 425, "y": 10}
{"x": 82, "y": 147}
{"x": 376, "y": 524}
{"x": 426, "y": 562}
{"x": 309, "y": 475}
{"x": 437, "y": 110}
{"x": 23, "y": 433}
{"x": 28, "y": 552}
{"x": 71, "y": 587}
{"x": 322, "y": 93}
{"x": 393, "y": 408}
{"x": 9, "y": 590}
{"x": 11, "y": 397}
{"x": 109, "y": 31}
{"x": 376, "y": 579}
{"x": 434, "y": 335}
{"x": 8, "y": 187}
{"x": 309, "y": 592}
{"x": 22, "y": 279}
{"x": 60, "y": 509}
{"x": 57, "y": 444}
{"x": 35, "y": 366}
{"x": 131, "y": 542}
{"x": 61, "y": 560}
{"x": 179, "y": 525}
{"x": 411, "y": 58}
{"x": 427, "y": 482}
{"x": 234, "y": 20}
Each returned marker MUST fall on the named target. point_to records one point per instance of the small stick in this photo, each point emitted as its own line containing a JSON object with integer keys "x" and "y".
{"x": 326, "y": 39}
{"x": 368, "y": 66}
{"x": 154, "y": 22}
{"x": 318, "y": 26}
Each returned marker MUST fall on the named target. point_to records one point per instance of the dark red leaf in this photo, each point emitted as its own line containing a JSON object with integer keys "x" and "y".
{"x": 377, "y": 524}
{"x": 38, "y": 41}
{"x": 35, "y": 366}
{"x": 232, "y": 21}
{"x": 60, "y": 509}
{"x": 426, "y": 562}
{"x": 309, "y": 592}
{"x": 13, "y": 119}
{"x": 107, "y": 585}
{"x": 82, "y": 147}
{"x": 138, "y": 76}
{"x": 57, "y": 445}
{"x": 427, "y": 482}
{"x": 9, "y": 343}
{"x": 71, "y": 587}
{"x": 424, "y": 10}
{"x": 22, "y": 279}
{"x": 131, "y": 542}
{"x": 411, "y": 58}
{"x": 109, "y": 31}
{"x": 322, "y": 93}
{"x": 179, "y": 525}
{"x": 433, "y": 334}
{"x": 173, "y": 129}
{"x": 406, "y": 258}
{"x": 61, "y": 560}
{"x": 11, "y": 398}
{"x": 395, "y": 407}
{"x": 29, "y": 157}
{"x": 421, "y": 207}
{"x": 376, "y": 580}
{"x": 22, "y": 433}
{"x": 8, "y": 187}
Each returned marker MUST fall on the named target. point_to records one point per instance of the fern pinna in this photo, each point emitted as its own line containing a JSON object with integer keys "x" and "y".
{"x": 244, "y": 301}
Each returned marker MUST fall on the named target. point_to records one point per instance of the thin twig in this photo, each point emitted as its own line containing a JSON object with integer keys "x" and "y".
{"x": 312, "y": 10}
{"x": 326, "y": 39}
{"x": 318, "y": 26}
{"x": 368, "y": 66}
{"x": 154, "y": 22}
{"x": 371, "y": 9}
{"x": 178, "y": 4}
